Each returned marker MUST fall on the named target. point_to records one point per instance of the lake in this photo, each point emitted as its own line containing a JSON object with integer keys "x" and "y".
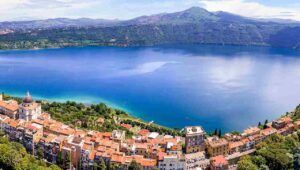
{"x": 225, "y": 87}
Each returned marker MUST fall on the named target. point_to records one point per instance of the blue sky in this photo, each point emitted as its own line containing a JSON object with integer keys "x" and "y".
{"x": 126, "y": 9}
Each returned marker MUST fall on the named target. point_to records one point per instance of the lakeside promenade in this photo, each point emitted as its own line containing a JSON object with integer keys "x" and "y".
{"x": 26, "y": 123}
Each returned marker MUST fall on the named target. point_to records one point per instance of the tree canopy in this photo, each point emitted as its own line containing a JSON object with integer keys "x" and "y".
{"x": 14, "y": 156}
{"x": 276, "y": 152}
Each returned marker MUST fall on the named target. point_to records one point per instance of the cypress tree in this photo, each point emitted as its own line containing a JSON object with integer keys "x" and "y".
{"x": 266, "y": 121}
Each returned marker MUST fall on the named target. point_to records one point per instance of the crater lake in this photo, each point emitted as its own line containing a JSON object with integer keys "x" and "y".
{"x": 224, "y": 87}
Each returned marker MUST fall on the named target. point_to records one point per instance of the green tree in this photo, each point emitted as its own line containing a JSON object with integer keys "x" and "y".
{"x": 95, "y": 166}
{"x": 102, "y": 165}
{"x": 220, "y": 133}
{"x": 40, "y": 153}
{"x": 297, "y": 159}
{"x": 2, "y": 133}
{"x": 259, "y": 160}
{"x": 59, "y": 159}
{"x": 246, "y": 164}
{"x": 276, "y": 150}
{"x": 54, "y": 167}
{"x": 79, "y": 166}
{"x": 266, "y": 122}
{"x": 216, "y": 132}
{"x": 113, "y": 166}
{"x": 134, "y": 166}
{"x": 67, "y": 160}
{"x": 14, "y": 156}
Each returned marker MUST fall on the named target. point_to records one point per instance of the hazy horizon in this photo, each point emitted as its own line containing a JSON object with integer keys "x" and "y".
{"x": 117, "y": 19}
{"x": 25, "y": 10}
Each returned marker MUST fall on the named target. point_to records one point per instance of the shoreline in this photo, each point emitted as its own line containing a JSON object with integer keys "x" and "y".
{"x": 137, "y": 118}
{"x": 76, "y": 118}
{"x": 145, "y": 46}
{"x": 130, "y": 115}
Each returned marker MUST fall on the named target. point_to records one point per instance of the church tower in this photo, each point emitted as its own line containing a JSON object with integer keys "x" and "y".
{"x": 29, "y": 109}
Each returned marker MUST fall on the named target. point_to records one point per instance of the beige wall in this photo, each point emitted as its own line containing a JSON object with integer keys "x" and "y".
{"x": 215, "y": 151}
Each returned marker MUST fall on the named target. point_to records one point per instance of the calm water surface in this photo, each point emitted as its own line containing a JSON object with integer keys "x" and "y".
{"x": 214, "y": 86}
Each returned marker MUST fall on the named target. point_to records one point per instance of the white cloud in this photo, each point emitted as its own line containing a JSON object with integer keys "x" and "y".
{"x": 252, "y": 9}
{"x": 107, "y": 9}
{"x": 42, "y": 9}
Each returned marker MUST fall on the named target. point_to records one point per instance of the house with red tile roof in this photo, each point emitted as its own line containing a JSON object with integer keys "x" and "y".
{"x": 9, "y": 108}
{"x": 267, "y": 132}
{"x": 219, "y": 163}
{"x": 144, "y": 132}
{"x": 127, "y": 126}
{"x": 235, "y": 146}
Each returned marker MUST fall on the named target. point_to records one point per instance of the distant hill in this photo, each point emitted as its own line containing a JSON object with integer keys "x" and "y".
{"x": 194, "y": 25}
{"x": 56, "y": 23}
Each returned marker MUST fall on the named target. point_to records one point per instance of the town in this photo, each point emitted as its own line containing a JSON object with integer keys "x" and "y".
{"x": 27, "y": 124}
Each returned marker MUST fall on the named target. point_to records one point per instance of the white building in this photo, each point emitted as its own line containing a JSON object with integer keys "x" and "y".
{"x": 153, "y": 135}
{"x": 118, "y": 135}
{"x": 196, "y": 161}
{"x": 172, "y": 162}
{"x": 29, "y": 109}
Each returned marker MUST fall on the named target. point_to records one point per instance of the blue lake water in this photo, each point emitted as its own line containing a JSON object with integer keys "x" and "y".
{"x": 225, "y": 87}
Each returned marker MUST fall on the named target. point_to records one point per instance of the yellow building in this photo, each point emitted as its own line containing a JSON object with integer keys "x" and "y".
{"x": 217, "y": 146}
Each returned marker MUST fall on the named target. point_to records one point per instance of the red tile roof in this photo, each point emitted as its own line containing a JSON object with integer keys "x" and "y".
{"x": 218, "y": 161}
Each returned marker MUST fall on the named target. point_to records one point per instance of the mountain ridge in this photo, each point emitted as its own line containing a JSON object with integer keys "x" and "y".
{"x": 191, "y": 12}
{"x": 194, "y": 25}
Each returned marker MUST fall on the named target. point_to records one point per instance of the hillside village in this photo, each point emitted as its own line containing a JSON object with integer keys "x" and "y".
{"x": 73, "y": 148}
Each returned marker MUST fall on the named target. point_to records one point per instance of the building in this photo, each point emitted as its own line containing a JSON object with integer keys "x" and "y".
{"x": 75, "y": 144}
{"x": 118, "y": 135}
{"x": 196, "y": 161}
{"x": 219, "y": 163}
{"x": 172, "y": 162}
{"x": 153, "y": 135}
{"x": 194, "y": 139}
{"x": 232, "y": 137}
{"x": 28, "y": 109}
{"x": 3, "y": 121}
{"x": 9, "y": 108}
{"x": 281, "y": 123}
{"x": 268, "y": 132}
{"x": 31, "y": 136}
{"x": 250, "y": 131}
{"x": 217, "y": 146}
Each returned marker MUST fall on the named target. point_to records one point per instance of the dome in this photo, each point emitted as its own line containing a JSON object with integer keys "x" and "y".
{"x": 28, "y": 98}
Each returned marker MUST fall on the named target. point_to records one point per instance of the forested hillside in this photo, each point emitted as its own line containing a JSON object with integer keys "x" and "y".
{"x": 194, "y": 25}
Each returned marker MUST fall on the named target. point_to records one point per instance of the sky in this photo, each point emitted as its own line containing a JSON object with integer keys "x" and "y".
{"x": 11, "y": 10}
